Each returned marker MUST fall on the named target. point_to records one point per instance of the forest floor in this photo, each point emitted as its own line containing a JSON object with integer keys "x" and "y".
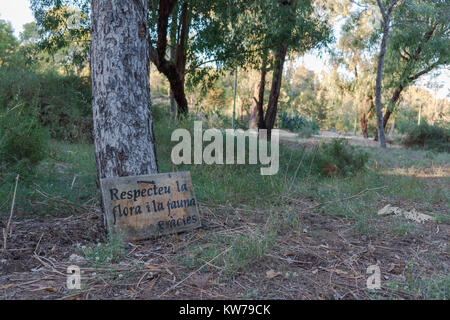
{"x": 312, "y": 243}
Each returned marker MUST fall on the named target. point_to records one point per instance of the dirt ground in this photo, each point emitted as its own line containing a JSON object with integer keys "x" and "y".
{"x": 325, "y": 261}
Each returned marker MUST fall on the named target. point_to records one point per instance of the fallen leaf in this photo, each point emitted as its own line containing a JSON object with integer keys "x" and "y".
{"x": 201, "y": 280}
{"x": 391, "y": 267}
{"x": 6, "y": 286}
{"x": 153, "y": 268}
{"x": 272, "y": 274}
{"x": 152, "y": 284}
{"x": 49, "y": 289}
{"x": 339, "y": 271}
{"x": 198, "y": 235}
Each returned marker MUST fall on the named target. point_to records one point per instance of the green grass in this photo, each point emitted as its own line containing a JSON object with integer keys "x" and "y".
{"x": 436, "y": 287}
{"x": 48, "y": 189}
{"x": 104, "y": 254}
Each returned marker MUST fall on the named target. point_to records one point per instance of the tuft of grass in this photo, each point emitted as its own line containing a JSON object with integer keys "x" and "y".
{"x": 248, "y": 249}
{"x": 442, "y": 218}
{"x": 432, "y": 288}
{"x": 403, "y": 228}
{"x": 104, "y": 254}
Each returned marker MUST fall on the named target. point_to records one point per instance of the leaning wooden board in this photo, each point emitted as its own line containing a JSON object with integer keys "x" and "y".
{"x": 140, "y": 207}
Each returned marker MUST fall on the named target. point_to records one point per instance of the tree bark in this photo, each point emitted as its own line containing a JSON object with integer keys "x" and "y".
{"x": 123, "y": 126}
{"x": 261, "y": 88}
{"x": 172, "y": 52}
{"x": 391, "y": 130}
{"x": 181, "y": 47}
{"x": 379, "y": 107}
{"x": 364, "y": 118}
{"x": 272, "y": 106}
{"x": 393, "y": 102}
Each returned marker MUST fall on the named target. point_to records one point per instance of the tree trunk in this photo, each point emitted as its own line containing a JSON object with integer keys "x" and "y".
{"x": 181, "y": 47}
{"x": 253, "y": 121}
{"x": 391, "y": 130}
{"x": 272, "y": 106}
{"x": 176, "y": 85}
{"x": 378, "y": 105}
{"x": 364, "y": 118}
{"x": 123, "y": 127}
{"x": 394, "y": 99}
{"x": 170, "y": 69}
{"x": 172, "y": 52}
{"x": 261, "y": 88}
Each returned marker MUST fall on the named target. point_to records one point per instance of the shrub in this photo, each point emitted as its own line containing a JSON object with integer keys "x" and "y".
{"x": 22, "y": 139}
{"x": 63, "y": 103}
{"x": 338, "y": 158}
{"x": 432, "y": 137}
{"x": 299, "y": 124}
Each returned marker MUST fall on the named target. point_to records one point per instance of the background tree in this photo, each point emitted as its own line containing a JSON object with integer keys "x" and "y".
{"x": 295, "y": 27}
{"x": 8, "y": 42}
{"x": 386, "y": 13}
{"x": 419, "y": 45}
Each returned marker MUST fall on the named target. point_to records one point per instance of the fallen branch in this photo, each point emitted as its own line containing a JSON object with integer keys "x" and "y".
{"x": 340, "y": 200}
{"x": 351, "y": 197}
{"x": 6, "y": 230}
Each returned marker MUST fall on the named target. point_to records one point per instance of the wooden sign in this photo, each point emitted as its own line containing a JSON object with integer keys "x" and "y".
{"x": 140, "y": 207}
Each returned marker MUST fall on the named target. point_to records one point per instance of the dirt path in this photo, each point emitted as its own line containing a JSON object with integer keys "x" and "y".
{"x": 353, "y": 139}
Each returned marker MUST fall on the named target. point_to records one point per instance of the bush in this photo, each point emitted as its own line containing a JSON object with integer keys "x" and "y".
{"x": 63, "y": 103}
{"x": 299, "y": 124}
{"x": 432, "y": 137}
{"x": 23, "y": 141}
{"x": 338, "y": 158}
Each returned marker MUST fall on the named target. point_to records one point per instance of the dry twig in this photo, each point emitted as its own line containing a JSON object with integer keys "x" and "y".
{"x": 6, "y": 230}
{"x": 194, "y": 272}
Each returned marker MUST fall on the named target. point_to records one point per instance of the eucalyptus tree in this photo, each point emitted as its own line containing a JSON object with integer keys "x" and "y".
{"x": 123, "y": 124}
{"x": 292, "y": 27}
{"x": 420, "y": 44}
{"x": 386, "y": 10}
{"x": 8, "y": 43}
{"x": 354, "y": 53}
{"x": 63, "y": 27}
